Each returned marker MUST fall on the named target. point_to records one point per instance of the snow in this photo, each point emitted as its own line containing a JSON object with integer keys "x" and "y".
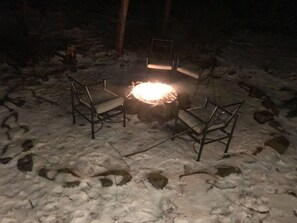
{"x": 265, "y": 191}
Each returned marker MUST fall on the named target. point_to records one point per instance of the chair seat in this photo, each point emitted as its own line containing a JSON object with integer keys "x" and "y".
{"x": 160, "y": 55}
{"x": 160, "y": 67}
{"x": 190, "y": 121}
{"x": 108, "y": 105}
{"x": 211, "y": 123}
{"x": 94, "y": 99}
{"x": 192, "y": 71}
{"x": 103, "y": 99}
{"x": 197, "y": 123}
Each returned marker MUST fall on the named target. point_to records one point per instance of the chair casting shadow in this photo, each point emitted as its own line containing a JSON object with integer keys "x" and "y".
{"x": 95, "y": 103}
{"x": 211, "y": 123}
{"x": 160, "y": 56}
{"x": 199, "y": 64}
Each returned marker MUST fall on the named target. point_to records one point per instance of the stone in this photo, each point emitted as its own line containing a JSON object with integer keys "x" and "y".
{"x": 292, "y": 105}
{"x": 256, "y": 93}
{"x": 224, "y": 171}
{"x": 106, "y": 182}
{"x": 25, "y": 163}
{"x": 27, "y": 145}
{"x": 269, "y": 104}
{"x": 75, "y": 183}
{"x": 279, "y": 144}
{"x": 277, "y": 126}
{"x": 157, "y": 180}
{"x": 5, "y": 160}
{"x": 126, "y": 176}
{"x": 263, "y": 116}
{"x": 257, "y": 151}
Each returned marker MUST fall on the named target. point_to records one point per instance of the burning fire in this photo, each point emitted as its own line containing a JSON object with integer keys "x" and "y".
{"x": 154, "y": 93}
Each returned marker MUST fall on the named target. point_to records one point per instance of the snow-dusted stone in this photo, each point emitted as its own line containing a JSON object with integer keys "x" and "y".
{"x": 224, "y": 170}
{"x": 224, "y": 210}
{"x": 157, "y": 180}
{"x": 263, "y": 116}
{"x": 279, "y": 144}
{"x": 25, "y": 163}
{"x": 254, "y": 203}
{"x": 16, "y": 132}
{"x": 125, "y": 176}
{"x": 10, "y": 105}
{"x": 167, "y": 206}
{"x": 48, "y": 174}
{"x": 292, "y": 105}
{"x": 269, "y": 104}
{"x": 105, "y": 182}
{"x": 221, "y": 184}
{"x": 66, "y": 177}
{"x": 253, "y": 90}
{"x": 5, "y": 160}
{"x": 3, "y": 110}
{"x": 27, "y": 145}
{"x": 277, "y": 126}
{"x": 257, "y": 151}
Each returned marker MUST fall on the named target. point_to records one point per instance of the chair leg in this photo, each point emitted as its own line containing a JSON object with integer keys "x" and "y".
{"x": 92, "y": 125}
{"x": 73, "y": 110}
{"x": 124, "y": 117}
{"x": 73, "y": 115}
{"x": 231, "y": 134}
{"x": 201, "y": 147}
{"x": 210, "y": 75}
{"x": 196, "y": 88}
{"x": 175, "y": 129}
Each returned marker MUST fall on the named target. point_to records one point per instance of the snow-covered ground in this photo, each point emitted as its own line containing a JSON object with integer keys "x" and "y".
{"x": 76, "y": 179}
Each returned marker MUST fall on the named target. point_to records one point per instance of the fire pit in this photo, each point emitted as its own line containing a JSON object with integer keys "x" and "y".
{"x": 152, "y": 102}
{"x": 154, "y": 93}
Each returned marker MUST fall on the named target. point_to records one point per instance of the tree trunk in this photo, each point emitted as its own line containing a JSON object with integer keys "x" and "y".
{"x": 166, "y": 15}
{"x": 25, "y": 14}
{"x": 121, "y": 26}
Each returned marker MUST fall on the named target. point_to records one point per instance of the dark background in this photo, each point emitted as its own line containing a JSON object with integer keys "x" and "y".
{"x": 23, "y": 40}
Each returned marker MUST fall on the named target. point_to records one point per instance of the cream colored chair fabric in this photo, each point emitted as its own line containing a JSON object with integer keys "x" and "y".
{"x": 210, "y": 123}
{"x": 160, "y": 56}
{"x": 95, "y": 102}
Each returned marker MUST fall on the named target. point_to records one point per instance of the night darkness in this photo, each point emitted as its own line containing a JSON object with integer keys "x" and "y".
{"x": 22, "y": 36}
{"x": 95, "y": 127}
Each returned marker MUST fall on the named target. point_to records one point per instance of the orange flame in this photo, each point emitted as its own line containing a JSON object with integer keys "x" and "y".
{"x": 154, "y": 93}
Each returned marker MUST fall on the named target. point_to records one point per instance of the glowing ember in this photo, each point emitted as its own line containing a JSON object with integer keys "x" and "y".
{"x": 154, "y": 93}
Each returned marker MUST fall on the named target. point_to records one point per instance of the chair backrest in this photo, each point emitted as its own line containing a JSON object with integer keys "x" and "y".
{"x": 222, "y": 115}
{"x": 161, "y": 49}
{"x": 80, "y": 92}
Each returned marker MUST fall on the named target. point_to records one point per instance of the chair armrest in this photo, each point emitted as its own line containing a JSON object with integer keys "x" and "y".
{"x": 103, "y": 82}
{"x": 195, "y": 116}
{"x": 105, "y": 89}
{"x": 194, "y": 108}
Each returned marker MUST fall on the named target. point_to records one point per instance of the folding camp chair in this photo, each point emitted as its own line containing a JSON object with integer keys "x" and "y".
{"x": 160, "y": 56}
{"x": 95, "y": 102}
{"x": 199, "y": 64}
{"x": 211, "y": 123}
